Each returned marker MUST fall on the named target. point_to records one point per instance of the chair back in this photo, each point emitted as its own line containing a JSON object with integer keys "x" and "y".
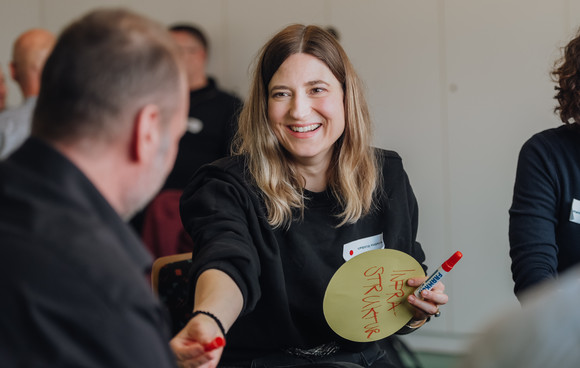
{"x": 163, "y": 233}
{"x": 170, "y": 280}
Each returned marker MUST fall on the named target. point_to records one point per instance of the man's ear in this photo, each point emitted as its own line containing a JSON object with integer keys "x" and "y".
{"x": 146, "y": 133}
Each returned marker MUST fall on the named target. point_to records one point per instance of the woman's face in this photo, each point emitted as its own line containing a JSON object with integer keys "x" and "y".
{"x": 306, "y": 108}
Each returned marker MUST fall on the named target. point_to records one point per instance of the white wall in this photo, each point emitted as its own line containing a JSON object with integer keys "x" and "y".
{"x": 455, "y": 86}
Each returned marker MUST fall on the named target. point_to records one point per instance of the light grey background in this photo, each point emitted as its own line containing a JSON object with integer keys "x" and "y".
{"x": 455, "y": 86}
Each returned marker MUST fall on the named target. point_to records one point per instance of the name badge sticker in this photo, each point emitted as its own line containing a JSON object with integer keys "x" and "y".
{"x": 575, "y": 211}
{"x": 354, "y": 248}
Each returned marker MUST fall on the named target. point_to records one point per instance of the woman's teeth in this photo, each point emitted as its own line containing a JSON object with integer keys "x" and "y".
{"x": 304, "y": 129}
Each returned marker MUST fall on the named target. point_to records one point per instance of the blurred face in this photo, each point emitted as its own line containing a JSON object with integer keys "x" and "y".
{"x": 306, "y": 109}
{"x": 193, "y": 55}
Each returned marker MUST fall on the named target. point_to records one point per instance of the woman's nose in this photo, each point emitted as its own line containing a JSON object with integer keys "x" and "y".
{"x": 300, "y": 107}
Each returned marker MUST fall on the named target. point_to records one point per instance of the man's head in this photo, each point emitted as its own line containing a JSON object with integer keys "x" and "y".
{"x": 194, "y": 51}
{"x": 28, "y": 57}
{"x": 114, "y": 95}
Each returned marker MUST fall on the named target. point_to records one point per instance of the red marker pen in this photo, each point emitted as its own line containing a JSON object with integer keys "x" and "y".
{"x": 218, "y": 342}
{"x": 438, "y": 274}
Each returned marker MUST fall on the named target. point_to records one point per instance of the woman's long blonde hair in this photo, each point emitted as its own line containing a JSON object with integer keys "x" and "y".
{"x": 353, "y": 174}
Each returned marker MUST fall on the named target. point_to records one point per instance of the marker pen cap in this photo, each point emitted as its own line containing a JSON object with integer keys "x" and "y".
{"x": 448, "y": 265}
{"x": 218, "y": 342}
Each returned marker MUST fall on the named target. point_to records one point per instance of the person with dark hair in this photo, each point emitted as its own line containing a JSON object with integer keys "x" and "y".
{"x": 210, "y": 127}
{"x": 29, "y": 54}
{"x": 270, "y": 224}
{"x": 111, "y": 109}
{"x": 212, "y": 111}
{"x": 544, "y": 229}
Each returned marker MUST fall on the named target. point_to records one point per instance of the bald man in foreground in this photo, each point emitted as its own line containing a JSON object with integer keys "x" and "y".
{"x": 28, "y": 57}
{"x": 105, "y": 131}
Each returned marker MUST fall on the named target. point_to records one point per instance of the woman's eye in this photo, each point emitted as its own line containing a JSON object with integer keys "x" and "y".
{"x": 317, "y": 90}
{"x": 279, "y": 94}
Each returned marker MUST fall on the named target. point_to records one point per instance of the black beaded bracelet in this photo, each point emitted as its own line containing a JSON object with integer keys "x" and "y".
{"x": 219, "y": 323}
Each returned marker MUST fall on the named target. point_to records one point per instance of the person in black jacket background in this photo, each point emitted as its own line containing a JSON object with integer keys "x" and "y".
{"x": 544, "y": 229}
{"x": 211, "y": 124}
{"x": 212, "y": 112}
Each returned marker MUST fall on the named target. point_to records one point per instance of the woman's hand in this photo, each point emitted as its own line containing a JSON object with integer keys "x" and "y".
{"x": 188, "y": 344}
{"x": 429, "y": 304}
{"x": 217, "y": 298}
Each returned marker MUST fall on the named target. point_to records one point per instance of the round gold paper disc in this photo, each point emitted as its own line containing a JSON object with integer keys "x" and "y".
{"x": 366, "y": 299}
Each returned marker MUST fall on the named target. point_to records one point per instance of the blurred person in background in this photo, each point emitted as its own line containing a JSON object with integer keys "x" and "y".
{"x": 28, "y": 57}
{"x": 544, "y": 228}
{"x": 544, "y": 332}
{"x": 211, "y": 125}
{"x": 212, "y": 111}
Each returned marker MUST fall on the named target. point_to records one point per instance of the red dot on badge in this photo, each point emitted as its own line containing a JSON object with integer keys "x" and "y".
{"x": 351, "y": 252}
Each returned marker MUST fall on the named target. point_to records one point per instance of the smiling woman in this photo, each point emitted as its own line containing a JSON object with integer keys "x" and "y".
{"x": 273, "y": 223}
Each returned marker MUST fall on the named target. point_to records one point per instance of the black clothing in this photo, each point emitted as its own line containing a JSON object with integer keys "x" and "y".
{"x": 371, "y": 357}
{"x": 74, "y": 292}
{"x": 283, "y": 274}
{"x": 215, "y": 113}
{"x": 544, "y": 227}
